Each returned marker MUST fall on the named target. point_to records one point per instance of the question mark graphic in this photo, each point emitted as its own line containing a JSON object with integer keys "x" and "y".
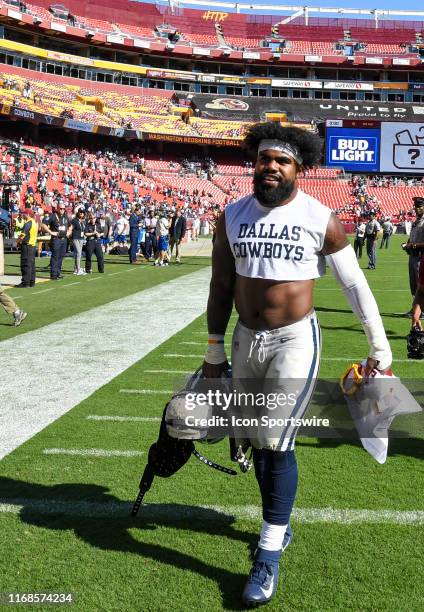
{"x": 414, "y": 153}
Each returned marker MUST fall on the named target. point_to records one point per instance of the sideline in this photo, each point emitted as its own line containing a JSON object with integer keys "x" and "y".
{"x": 52, "y": 369}
{"x": 121, "y": 510}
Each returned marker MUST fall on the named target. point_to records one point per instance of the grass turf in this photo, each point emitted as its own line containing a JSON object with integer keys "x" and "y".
{"x": 77, "y": 294}
{"x": 171, "y": 561}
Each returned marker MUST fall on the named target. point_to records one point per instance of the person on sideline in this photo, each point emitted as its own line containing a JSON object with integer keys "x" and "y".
{"x": 410, "y": 247}
{"x": 27, "y": 241}
{"x": 12, "y": 308}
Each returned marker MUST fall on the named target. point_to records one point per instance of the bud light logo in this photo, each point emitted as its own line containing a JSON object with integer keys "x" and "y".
{"x": 353, "y": 149}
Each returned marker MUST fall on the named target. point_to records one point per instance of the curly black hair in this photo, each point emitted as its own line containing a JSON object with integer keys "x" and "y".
{"x": 309, "y": 145}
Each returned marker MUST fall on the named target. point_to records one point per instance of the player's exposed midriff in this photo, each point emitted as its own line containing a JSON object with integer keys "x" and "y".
{"x": 268, "y": 304}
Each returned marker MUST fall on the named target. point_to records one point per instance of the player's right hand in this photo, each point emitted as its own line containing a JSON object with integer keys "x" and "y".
{"x": 212, "y": 370}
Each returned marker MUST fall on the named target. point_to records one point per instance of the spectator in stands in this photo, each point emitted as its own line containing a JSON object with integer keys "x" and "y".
{"x": 359, "y": 238}
{"x": 387, "y": 228}
{"x": 27, "y": 241}
{"x": 410, "y": 247}
{"x": 77, "y": 233}
{"x": 371, "y": 231}
{"x": 59, "y": 230}
{"x": 93, "y": 233}
{"x": 11, "y": 307}
{"x": 177, "y": 233}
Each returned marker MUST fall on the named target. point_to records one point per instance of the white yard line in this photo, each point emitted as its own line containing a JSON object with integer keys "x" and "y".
{"x": 61, "y": 364}
{"x": 147, "y": 391}
{"x": 179, "y": 355}
{"x": 40, "y": 292}
{"x": 168, "y": 371}
{"x": 92, "y": 452}
{"x": 347, "y": 359}
{"x": 374, "y": 289}
{"x": 121, "y": 419}
{"x": 121, "y": 510}
{"x": 194, "y": 343}
{"x": 70, "y": 285}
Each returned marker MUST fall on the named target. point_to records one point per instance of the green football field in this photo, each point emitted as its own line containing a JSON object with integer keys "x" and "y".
{"x": 66, "y": 493}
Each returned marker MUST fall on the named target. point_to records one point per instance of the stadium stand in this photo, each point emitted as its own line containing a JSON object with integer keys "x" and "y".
{"x": 240, "y": 32}
{"x": 147, "y": 112}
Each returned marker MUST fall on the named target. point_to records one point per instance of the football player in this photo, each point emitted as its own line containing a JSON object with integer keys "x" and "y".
{"x": 270, "y": 247}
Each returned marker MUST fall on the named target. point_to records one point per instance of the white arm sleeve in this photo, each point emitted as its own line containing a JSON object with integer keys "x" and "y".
{"x": 352, "y": 280}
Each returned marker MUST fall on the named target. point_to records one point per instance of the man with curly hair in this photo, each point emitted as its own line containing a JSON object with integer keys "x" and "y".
{"x": 270, "y": 247}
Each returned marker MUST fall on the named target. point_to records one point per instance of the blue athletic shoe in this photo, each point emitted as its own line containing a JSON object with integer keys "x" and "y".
{"x": 262, "y": 583}
{"x": 263, "y": 578}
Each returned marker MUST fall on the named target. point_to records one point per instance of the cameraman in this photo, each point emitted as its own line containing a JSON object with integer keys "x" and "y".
{"x": 415, "y": 245}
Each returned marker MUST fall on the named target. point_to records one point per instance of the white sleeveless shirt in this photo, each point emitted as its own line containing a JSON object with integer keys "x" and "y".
{"x": 281, "y": 243}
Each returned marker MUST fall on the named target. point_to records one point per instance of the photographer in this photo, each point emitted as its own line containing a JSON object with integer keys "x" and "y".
{"x": 93, "y": 233}
{"x": 415, "y": 246}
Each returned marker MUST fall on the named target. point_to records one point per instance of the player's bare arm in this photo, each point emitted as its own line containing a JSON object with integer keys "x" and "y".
{"x": 220, "y": 302}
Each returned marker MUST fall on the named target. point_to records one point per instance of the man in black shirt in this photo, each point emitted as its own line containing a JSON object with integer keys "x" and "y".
{"x": 93, "y": 234}
{"x": 59, "y": 229}
{"x": 177, "y": 232}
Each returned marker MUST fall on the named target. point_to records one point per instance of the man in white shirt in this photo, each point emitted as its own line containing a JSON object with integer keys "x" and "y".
{"x": 151, "y": 242}
{"x": 387, "y": 228}
{"x": 162, "y": 237}
{"x": 359, "y": 239}
{"x": 122, "y": 228}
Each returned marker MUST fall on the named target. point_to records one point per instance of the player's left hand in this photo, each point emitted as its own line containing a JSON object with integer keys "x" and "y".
{"x": 372, "y": 364}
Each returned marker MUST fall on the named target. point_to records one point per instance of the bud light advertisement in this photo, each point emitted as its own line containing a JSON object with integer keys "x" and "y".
{"x": 354, "y": 150}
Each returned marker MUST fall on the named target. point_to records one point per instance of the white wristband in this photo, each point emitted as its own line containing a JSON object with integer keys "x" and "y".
{"x": 215, "y": 352}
